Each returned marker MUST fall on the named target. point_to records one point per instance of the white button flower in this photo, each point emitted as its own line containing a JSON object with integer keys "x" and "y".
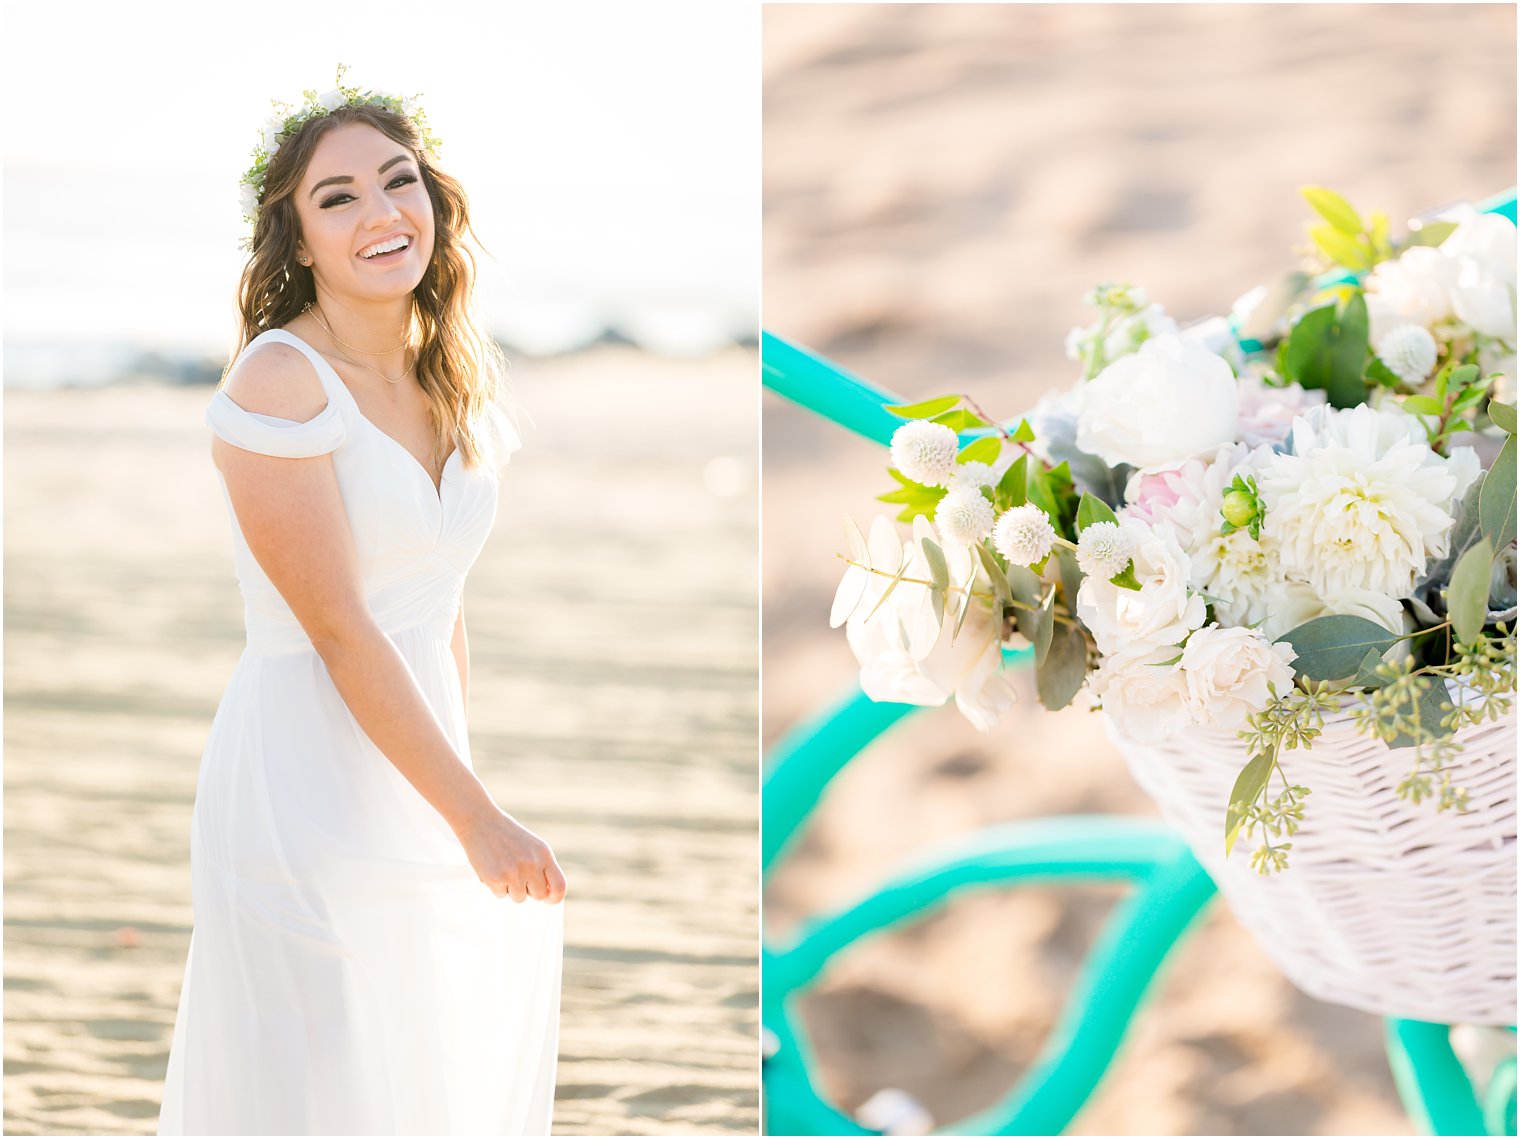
{"x": 925, "y": 451}
{"x": 1102, "y": 550}
{"x": 963, "y": 516}
{"x": 1409, "y": 351}
{"x": 1024, "y": 535}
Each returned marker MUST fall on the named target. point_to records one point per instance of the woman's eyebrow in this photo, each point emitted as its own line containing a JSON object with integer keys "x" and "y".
{"x": 384, "y": 166}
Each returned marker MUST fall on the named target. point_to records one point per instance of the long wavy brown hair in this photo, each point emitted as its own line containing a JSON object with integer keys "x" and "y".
{"x": 459, "y": 367}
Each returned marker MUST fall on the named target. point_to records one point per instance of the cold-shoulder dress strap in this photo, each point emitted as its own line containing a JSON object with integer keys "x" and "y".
{"x": 503, "y": 434}
{"x": 270, "y": 434}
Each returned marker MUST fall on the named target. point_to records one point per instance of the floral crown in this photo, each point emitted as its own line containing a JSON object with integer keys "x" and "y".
{"x": 288, "y": 120}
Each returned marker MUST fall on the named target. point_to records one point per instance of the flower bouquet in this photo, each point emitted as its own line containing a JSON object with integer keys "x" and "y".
{"x": 1268, "y": 546}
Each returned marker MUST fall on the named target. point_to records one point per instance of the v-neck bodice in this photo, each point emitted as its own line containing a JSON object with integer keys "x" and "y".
{"x": 416, "y": 540}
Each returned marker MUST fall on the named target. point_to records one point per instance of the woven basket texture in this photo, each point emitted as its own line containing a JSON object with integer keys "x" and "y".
{"x": 1385, "y": 906}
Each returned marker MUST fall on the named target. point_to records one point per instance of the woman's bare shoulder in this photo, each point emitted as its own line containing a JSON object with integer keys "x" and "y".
{"x": 277, "y": 379}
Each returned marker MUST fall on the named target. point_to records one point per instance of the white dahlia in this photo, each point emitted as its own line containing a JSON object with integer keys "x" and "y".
{"x": 1361, "y": 501}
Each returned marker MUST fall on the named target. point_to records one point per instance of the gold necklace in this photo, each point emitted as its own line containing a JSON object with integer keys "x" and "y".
{"x": 317, "y": 316}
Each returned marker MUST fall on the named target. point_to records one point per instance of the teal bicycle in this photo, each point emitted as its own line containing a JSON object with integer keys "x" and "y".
{"x": 1168, "y": 891}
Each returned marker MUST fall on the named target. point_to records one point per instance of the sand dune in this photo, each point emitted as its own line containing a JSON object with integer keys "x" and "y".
{"x": 612, "y": 624}
{"x": 942, "y": 186}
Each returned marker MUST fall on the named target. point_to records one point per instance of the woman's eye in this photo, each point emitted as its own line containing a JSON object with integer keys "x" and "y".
{"x": 399, "y": 180}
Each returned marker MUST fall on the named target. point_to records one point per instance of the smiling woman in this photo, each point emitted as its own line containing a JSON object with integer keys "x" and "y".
{"x": 354, "y": 965}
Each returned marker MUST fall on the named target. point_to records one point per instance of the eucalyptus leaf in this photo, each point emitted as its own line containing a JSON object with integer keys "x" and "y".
{"x": 1060, "y": 678}
{"x": 860, "y": 553}
{"x": 928, "y": 409}
{"x": 1071, "y": 575}
{"x": 964, "y": 605}
{"x": 1496, "y": 505}
{"x": 1249, "y": 785}
{"x": 1088, "y": 472}
{"x": 994, "y": 573}
{"x": 1035, "y": 621}
{"x": 1467, "y": 596}
{"x": 891, "y": 585}
{"x": 1366, "y": 673}
{"x": 1502, "y": 414}
{"x": 1432, "y": 694}
{"x": 939, "y": 571}
{"x": 1330, "y": 648}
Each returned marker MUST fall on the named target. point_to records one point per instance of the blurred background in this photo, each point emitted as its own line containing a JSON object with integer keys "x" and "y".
{"x": 942, "y": 186}
{"x": 612, "y": 158}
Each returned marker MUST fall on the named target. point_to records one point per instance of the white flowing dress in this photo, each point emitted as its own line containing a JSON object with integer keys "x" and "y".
{"x": 347, "y": 972}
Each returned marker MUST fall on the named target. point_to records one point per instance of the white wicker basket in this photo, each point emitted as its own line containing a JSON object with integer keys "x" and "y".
{"x": 1385, "y": 906}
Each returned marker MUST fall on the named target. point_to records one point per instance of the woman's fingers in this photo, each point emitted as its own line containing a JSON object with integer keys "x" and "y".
{"x": 555, "y": 878}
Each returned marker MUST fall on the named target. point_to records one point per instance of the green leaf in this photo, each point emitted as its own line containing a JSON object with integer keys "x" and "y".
{"x": 1422, "y": 405}
{"x": 1090, "y": 510}
{"x": 1467, "y": 595}
{"x": 928, "y": 409}
{"x": 960, "y": 419}
{"x": 1125, "y": 578}
{"x": 983, "y": 450}
{"x": 1339, "y": 248}
{"x": 1502, "y": 414}
{"x": 1012, "y": 488}
{"x": 1333, "y": 647}
{"x": 1060, "y": 677}
{"x": 1496, "y": 503}
{"x": 1463, "y": 376}
{"x": 1333, "y": 208}
{"x": 1249, "y": 785}
{"x": 1025, "y": 433}
{"x": 1432, "y": 233}
{"x": 965, "y": 603}
{"x": 1071, "y": 575}
{"x": 1379, "y": 373}
{"x": 939, "y": 570}
{"x": 1327, "y": 349}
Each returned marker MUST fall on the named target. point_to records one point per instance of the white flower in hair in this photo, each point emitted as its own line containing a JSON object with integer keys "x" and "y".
{"x": 963, "y": 516}
{"x": 272, "y": 136}
{"x": 925, "y": 451}
{"x": 1024, "y": 535}
{"x": 332, "y": 100}
{"x": 1103, "y": 550}
{"x": 1409, "y": 351}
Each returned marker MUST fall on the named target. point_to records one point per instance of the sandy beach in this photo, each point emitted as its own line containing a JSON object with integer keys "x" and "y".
{"x": 942, "y": 186}
{"x": 612, "y": 625}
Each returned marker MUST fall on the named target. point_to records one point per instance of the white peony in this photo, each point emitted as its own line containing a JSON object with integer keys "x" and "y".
{"x": 925, "y": 451}
{"x": 1267, "y": 411}
{"x": 1146, "y": 698}
{"x": 1163, "y": 404}
{"x": 1232, "y": 673}
{"x": 1361, "y": 502}
{"x": 1160, "y": 613}
{"x": 1483, "y": 294}
{"x": 1414, "y": 288}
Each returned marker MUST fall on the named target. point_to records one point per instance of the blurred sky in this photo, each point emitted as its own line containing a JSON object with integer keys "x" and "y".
{"x": 611, "y": 154}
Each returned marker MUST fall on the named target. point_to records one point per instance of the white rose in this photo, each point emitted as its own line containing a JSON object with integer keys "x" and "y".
{"x": 1294, "y": 603}
{"x": 1146, "y": 698}
{"x": 1232, "y": 673}
{"x": 1167, "y": 402}
{"x": 1160, "y": 613}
